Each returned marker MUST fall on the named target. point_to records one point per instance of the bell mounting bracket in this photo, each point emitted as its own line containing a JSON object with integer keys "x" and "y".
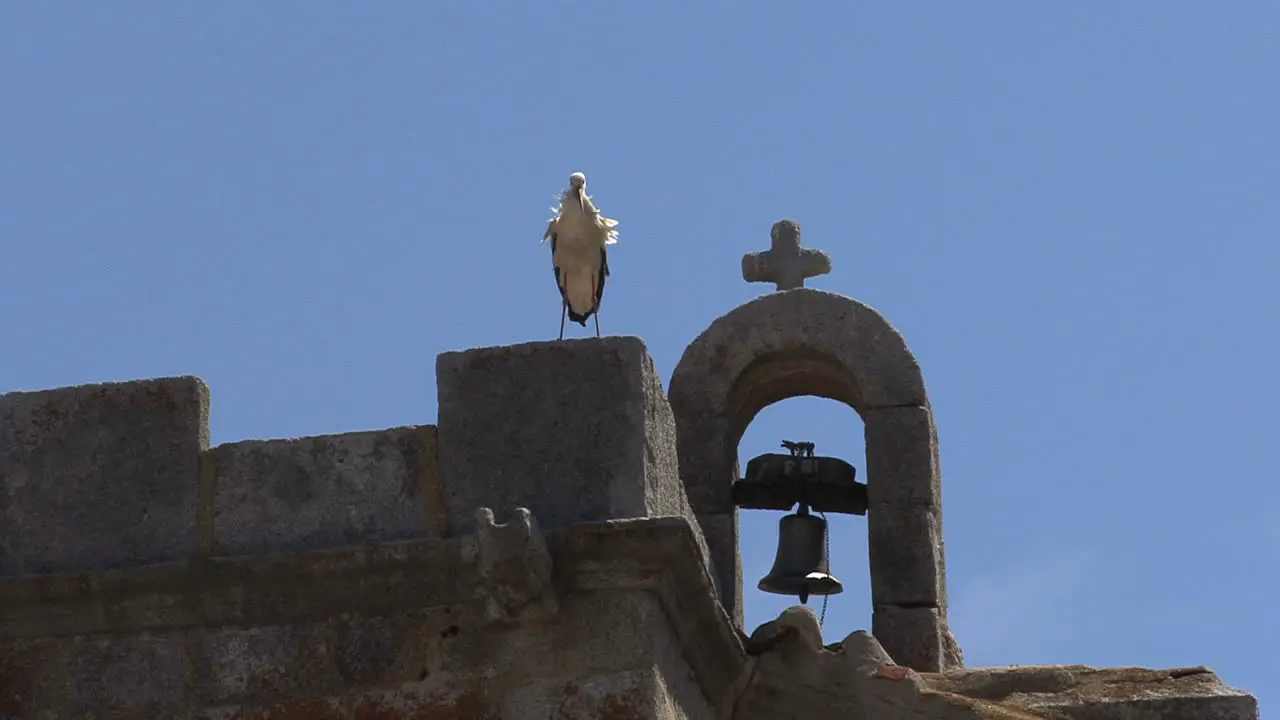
{"x": 777, "y": 482}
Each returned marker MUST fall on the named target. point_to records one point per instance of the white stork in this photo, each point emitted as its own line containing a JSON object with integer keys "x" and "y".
{"x": 579, "y": 234}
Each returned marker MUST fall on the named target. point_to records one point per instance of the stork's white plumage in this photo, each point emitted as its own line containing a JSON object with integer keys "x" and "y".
{"x": 579, "y": 235}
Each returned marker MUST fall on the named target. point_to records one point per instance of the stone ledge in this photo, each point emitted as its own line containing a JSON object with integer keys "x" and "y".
{"x": 154, "y": 621}
{"x": 236, "y": 591}
{"x": 1081, "y": 691}
{"x": 795, "y": 676}
{"x": 658, "y": 555}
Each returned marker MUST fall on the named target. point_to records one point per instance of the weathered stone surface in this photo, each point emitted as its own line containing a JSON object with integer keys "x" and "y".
{"x": 242, "y": 591}
{"x": 659, "y": 683}
{"x": 952, "y": 655}
{"x": 291, "y": 635}
{"x": 798, "y": 678}
{"x": 515, "y": 567}
{"x": 660, "y": 554}
{"x": 109, "y": 674}
{"x": 914, "y": 637}
{"x": 303, "y": 708}
{"x": 458, "y": 699}
{"x": 795, "y": 342}
{"x": 785, "y": 263}
{"x": 795, "y": 678}
{"x": 328, "y": 662}
{"x": 100, "y": 476}
{"x": 265, "y": 663}
{"x": 902, "y": 452}
{"x": 721, "y": 533}
{"x": 797, "y": 620}
{"x": 324, "y": 491}
{"x": 1080, "y": 691}
{"x": 624, "y": 695}
{"x": 31, "y": 675}
{"x": 904, "y": 544}
{"x": 597, "y": 634}
{"x": 576, "y": 431}
{"x": 865, "y": 654}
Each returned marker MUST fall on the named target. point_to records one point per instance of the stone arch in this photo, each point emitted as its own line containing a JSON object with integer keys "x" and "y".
{"x": 811, "y": 342}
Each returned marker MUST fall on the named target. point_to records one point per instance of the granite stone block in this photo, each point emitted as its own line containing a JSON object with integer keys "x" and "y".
{"x": 913, "y": 637}
{"x": 324, "y": 491}
{"x": 351, "y": 651}
{"x": 238, "y": 664}
{"x": 905, "y": 548}
{"x": 575, "y": 431}
{"x": 721, "y": 532}
{"x": 1089, "y": 693}
{"x": 123, "y": 675}
{"x": 30, "y": 676}
{"x": 901, "y": 457}
{"x": 634, "y": 694}
{"x": 101, "y": 476}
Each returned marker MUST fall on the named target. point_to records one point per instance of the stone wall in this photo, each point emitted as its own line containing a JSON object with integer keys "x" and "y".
{"x": 145, "y": 574}
{"x": 440, "y": 628}
{"x": 120, "y": 475}
{"x": 534, "y": 557}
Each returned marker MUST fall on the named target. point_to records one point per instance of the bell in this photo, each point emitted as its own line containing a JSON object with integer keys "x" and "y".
{"x": 800, "y": 567}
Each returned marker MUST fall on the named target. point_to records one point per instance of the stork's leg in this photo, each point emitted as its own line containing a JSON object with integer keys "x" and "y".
{"x": 595, "y": 293}
{"x": 564, "y": 308}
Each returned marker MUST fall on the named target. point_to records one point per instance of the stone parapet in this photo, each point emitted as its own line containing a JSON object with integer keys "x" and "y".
{"x": 116, "y": 475}
{"x": 101, "y": 476}
{"x": 576, "y": 431}
{"x": 269, "y": 496}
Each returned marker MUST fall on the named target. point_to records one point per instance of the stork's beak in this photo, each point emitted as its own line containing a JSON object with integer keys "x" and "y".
{"x": 582, "y": 201}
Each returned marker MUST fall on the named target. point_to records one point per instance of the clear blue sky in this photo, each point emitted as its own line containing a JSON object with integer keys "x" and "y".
{"x": 1068, "y": 209}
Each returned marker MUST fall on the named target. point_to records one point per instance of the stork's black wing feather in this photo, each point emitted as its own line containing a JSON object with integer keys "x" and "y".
{"x": 560, "y": 285}
{"x": 556, "y": 268}
{"x": 604, "y": 273}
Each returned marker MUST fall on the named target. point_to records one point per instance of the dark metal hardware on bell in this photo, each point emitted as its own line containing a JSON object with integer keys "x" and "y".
{"x": 779, "y": 482}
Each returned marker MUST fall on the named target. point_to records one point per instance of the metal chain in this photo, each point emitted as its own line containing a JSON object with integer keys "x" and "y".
{"x": 826, "y": 539}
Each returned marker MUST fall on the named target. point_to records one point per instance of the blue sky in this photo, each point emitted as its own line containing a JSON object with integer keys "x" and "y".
{"x": 1068, "y": 209}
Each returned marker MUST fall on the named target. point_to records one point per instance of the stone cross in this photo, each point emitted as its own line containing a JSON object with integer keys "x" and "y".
{"x": 785, "y": 263}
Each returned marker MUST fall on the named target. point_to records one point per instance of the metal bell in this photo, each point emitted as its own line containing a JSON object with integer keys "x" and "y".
{"x": 800, "y": 567}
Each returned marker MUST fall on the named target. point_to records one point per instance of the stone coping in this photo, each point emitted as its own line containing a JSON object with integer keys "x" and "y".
{"x": 1077, "y": 691}
{"x": 795, "y": 676}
